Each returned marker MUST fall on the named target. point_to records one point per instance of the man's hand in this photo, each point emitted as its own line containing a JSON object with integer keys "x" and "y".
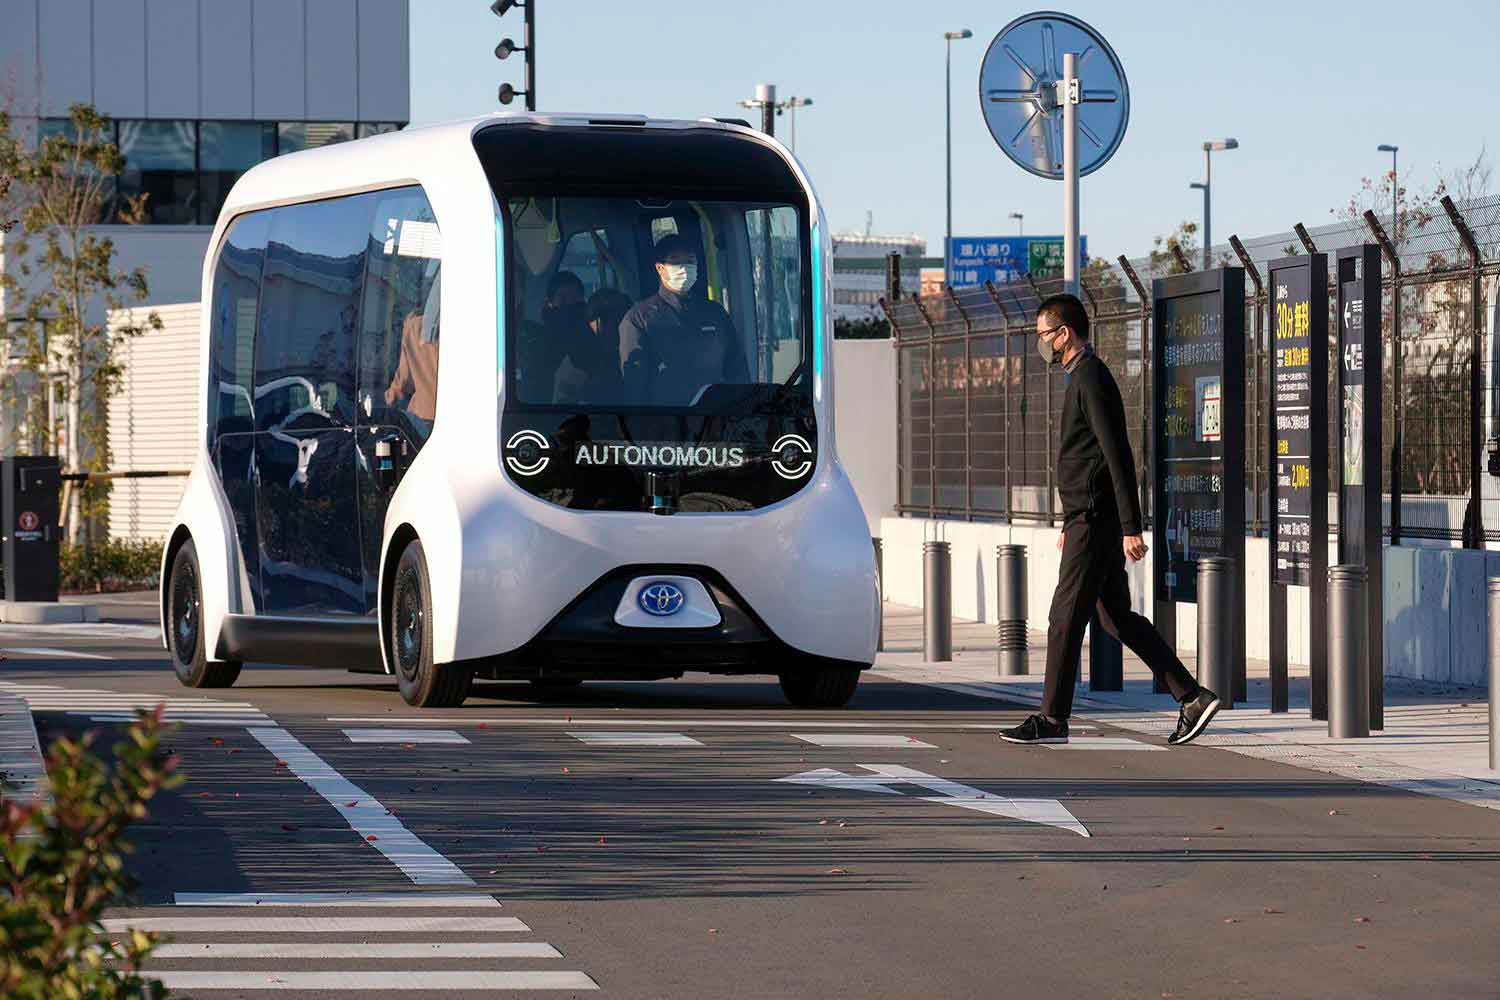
{"x": 1135, "y": 548}
{"x": 1060, "y": 536}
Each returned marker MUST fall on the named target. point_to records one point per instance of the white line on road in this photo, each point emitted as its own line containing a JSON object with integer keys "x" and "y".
{"x": 195, "y": 720}
{"x": 366, "y": 815}
{"x": 357, "y": 949}
{"x": 45, "y": 651}
{"x": 619, "y": 739}
{"x": 401, "y": 924}
{"x": 800, "y": 723}
{"x": 403, "y": 736}
{"x": 864, "y": 740}
{"x": 381, "y": 981}
{"x": 403, "y": 899}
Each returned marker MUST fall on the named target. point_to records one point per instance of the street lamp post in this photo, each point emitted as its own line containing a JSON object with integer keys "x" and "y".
{"x": 792, "y": 104}
{"x": 1208, "y": 150}
{"x": 949, "y": 37}
{"x": 1395, "y": 211}
{"x": 1020, "y": 218}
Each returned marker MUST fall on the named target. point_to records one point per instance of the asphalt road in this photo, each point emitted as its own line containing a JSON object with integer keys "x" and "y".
{"x": 641, "y": 839}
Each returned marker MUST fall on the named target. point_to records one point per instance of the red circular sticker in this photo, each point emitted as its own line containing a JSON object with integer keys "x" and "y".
{"x": 29, "y": 520}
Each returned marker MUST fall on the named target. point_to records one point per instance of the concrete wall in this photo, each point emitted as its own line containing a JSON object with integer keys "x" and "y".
{"x": 314, "y": 60}
{"x": 1435, "y": 609}
{"x": 864, "y": 402}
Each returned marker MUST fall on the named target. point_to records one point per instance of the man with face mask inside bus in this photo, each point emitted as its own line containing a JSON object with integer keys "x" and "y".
{"x": 676, "y": 342}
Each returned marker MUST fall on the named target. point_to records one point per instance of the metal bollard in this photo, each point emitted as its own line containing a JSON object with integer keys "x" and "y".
{"x": 1010, "y": 587}
{"x": 1216, "y": 627}
{"x": 1495, "y": 675}
{"x": 937, "y": 603}
{"x": 1348, "y": 659}
{"x": 879, "y": 595}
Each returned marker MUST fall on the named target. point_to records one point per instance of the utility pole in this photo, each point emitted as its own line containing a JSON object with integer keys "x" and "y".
{"x": 949, "y": 37}
{"x": 1387, "y": 148}
{"x": 765, "y": 99}
{"x": 1209, "y": 148}
{"x": 508, "y": 47}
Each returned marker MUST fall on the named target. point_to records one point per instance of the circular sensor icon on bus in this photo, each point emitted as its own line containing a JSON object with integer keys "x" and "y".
{"x": 661, "y": 598}
{"x": 526, "y": 452}
{"x": 791, "y": 456}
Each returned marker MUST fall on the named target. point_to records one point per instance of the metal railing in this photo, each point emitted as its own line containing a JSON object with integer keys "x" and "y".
{"x": 978, "y": 408}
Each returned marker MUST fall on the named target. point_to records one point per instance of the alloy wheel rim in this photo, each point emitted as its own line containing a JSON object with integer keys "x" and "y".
{"x": 409, "y": 622}
{"x": 185, "y": 614}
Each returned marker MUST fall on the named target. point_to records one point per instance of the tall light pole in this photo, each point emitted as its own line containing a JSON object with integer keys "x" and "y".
{"x": 1020, "y": 218}
{"x": 1208, "y": 150}
{"x": 792, "y": 104}
{"x": 949, "y": 37}
{"x": 1395, "y": 213}
{"x": 765, "y": 99}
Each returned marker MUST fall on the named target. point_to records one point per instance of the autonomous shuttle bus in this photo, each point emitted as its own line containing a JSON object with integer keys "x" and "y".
{"x": 533, "y": 397}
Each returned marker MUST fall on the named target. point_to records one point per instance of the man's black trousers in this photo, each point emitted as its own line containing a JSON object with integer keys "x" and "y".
{"x": 1093, "y": 571}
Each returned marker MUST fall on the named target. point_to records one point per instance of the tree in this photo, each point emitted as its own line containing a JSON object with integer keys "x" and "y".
{"x": 65, "y": 273}
{"x": 62, "y": 863}
{"x": 1184, "y": 238}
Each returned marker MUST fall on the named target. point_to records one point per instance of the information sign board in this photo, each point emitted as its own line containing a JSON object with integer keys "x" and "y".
{"x": 973, "y": 260}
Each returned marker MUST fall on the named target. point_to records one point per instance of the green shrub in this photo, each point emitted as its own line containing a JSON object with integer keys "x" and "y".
{"x": 62, "y": 863}
{"x": 109, "y": 565}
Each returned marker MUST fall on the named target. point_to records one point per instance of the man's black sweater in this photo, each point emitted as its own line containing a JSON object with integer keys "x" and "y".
{"x": 1095, "y": 469}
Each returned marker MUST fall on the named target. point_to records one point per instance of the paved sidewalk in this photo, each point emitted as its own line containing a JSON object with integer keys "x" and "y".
{"x": 23, "y": 776}
{"x": 1435, "y": 741}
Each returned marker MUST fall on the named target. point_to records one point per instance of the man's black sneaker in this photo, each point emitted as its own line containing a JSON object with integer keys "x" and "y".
{"x": 1193, "y": 718}
{"x": 1037, "y": 729}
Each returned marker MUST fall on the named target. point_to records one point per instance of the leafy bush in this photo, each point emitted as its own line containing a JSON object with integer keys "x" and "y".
{"x": 62, "y": 864}
{"x": 874, "y": 328}
{"x": 109, "y": 565}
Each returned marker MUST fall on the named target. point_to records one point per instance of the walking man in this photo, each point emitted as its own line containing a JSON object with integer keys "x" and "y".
{"x": 1101, "y": 529}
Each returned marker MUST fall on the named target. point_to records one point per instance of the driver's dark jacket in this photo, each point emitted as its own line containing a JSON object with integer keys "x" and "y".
{"x": 671, "y": 346}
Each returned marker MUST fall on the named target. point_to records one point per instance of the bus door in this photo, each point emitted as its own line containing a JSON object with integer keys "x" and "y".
{"x": 304, "y": 408}
{"x": 396, "y": 399}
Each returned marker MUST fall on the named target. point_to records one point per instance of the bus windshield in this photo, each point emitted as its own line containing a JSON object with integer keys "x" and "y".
{"x": 659, "y": 303}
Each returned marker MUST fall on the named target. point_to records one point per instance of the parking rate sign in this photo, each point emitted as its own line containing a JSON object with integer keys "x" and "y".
{"x": 1299, "y": 375}
{"x": 1198, "y": 387}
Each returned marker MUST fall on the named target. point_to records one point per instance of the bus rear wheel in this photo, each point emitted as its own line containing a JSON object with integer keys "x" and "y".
{"x": 820, "y": 687}
{"x": 423, "y": 684}
{"x": 184, "y": 607}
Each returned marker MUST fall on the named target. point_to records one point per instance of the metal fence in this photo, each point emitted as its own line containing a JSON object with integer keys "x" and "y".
{"x": 979, "y": 408}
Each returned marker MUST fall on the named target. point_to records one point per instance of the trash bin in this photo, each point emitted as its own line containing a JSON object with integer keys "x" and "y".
{"x": 29, "y": 502}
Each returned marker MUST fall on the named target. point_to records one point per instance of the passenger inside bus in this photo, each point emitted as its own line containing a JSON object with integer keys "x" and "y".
{"x": 415, "y": 381}
{"x": 676, "y": 342}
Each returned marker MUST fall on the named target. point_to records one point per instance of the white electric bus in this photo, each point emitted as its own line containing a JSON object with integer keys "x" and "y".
{"x": 536, "y": 397}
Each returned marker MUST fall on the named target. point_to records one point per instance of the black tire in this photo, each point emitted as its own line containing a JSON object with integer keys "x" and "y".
{"x": 820, "y": 687}
{"x": 423, "y": 684}
{"x": 184, "y": 614}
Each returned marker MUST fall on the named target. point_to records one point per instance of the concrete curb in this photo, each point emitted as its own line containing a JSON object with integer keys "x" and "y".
{"x": 46, "y": 613}
{"x": 21, "y": 763}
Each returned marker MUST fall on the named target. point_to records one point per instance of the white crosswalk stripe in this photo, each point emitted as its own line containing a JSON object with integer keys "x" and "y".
{"x": 116, "y": 706}
{"x": 287, "y": 941}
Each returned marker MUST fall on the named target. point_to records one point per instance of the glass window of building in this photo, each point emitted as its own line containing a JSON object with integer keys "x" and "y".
{"x": 161, "y": 163}
{"x": 297, "y": 136}
{"x": 225, "y": 151}
{"x": 367, "y": 129}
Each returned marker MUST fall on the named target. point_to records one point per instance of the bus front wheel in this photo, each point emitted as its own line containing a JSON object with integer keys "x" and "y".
{"x": 184, "y": 608}
{"x": 820, "y": 687}
{"x": 423, "y": 684}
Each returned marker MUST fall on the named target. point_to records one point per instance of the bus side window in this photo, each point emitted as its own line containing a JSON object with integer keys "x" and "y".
{"x": 399, "y": 336}
{"x": 236, "y": 292}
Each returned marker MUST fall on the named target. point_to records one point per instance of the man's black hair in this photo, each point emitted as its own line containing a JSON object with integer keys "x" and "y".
{"x": 561, "y": 280}
{"x": 673, "y": 243}
{"x": 1066, "y": 310}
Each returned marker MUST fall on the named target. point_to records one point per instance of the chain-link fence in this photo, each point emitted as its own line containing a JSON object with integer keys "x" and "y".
{"x": 979, "y": 408}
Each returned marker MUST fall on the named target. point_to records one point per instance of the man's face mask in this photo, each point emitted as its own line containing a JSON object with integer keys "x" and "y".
{"x": 1044, "y": 347}
{"x": 679, "y": 277}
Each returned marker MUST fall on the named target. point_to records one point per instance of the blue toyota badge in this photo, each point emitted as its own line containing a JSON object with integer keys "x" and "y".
{"x": 661, "y": 599}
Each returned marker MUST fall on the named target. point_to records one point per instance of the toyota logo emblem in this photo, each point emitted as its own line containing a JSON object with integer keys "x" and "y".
{"x": 661, "y": 599}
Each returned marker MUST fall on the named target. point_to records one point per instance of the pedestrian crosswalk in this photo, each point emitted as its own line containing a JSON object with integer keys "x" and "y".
{"x": 372, "y": 943}
{"x": 98, "y": 705}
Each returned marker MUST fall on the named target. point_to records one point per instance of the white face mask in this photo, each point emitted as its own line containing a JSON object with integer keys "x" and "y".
{"x": 679, "y": 277}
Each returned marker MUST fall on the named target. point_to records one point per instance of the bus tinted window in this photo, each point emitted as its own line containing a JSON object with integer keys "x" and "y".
{"x": 309, "y": 313}
{"x": 399, "y": 324}
{"x": 652, "y": 302}
{"x": 236, "y": 291}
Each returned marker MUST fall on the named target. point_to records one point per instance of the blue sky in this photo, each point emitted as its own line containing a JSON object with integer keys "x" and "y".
{"x": 1309, "y": 89}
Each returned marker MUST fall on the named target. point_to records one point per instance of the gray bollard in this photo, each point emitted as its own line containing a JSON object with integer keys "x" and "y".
{"x": 1495, "y": 675}
{"x": 1348, "y": 659}
{"x": 879, "y": 594}
{"x": 937, "y": 603}
{"x": 1010, "y": 588}
{"x": 1216, "y": 627}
